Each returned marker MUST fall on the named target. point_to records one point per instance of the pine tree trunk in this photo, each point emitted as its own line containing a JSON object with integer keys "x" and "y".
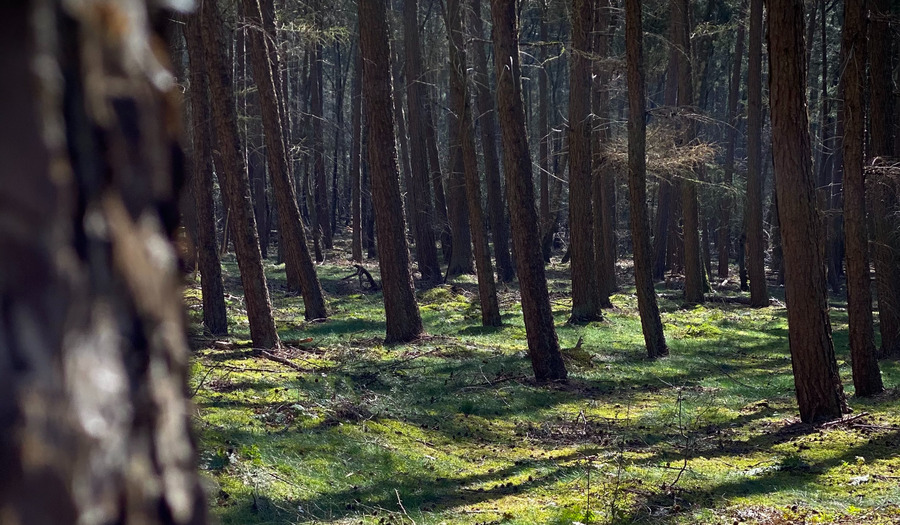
{"x": 866, "y": 375}
{"x": 753, "y": 215}
{"x": 355, "y": 159}
{"x": 401, "y": 311}
{"x": 816, "y": 379}
{"x": 233, "y": 179}
{"x": 546, "y": 218}
{"x": 93, "y": 360}
{"x": 543, "y": 346}
{"x": 321, "y": 224}
{"x": 604, "y": 178}
{"x": 457, "y": 205}
{"x": 585, "y": 303}
{"x": 651, "y": 323}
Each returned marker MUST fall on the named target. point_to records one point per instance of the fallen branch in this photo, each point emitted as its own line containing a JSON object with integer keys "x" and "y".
{"x": 843, "y": 421}
{"x": 282, "y": 360}
{"x": 362, "y": 272}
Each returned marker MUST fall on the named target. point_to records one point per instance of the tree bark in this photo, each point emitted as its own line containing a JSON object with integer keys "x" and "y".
{"x": 297, "y": 260}
{"x": 543, "y": 346}
{"x": 487, "y": 290}
{"x": 401, "y": 311}
{"x": 585, "y": 303}
{"x": 421, "y": 212}
{"x": 886, "y": 249}
{"x": 817, "y": 383}
{"x": 487, "y": 118}
{"x": 604, "y": 178}
{"x": 93, "y": 359}
{"x": 759, "y": 292}
{"x": 233, "y": 179}
{"x": 651, "y": 323}
{"x": 546, "y": 218}
{"x": 201, "y": 179}
{"x": 457, "y": 205}
{"x": 355, "y": 159}
{"x": 321, "y": 224}
{"x": 866, "y": 374}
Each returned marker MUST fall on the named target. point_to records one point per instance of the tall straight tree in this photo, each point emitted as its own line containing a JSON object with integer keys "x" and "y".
{"x": 585, "y": 297}
{"x": 457, "y": 204}
{"x": 321, "y": 224}
{"x": 693, "y": 266}
{"x": 93, "y": 360}
{"x": 753, "y": 214}
{"x": 420, "y": 194}
{"x": 401, "y": 311}
{"x": 816, "y": 380}
{"x": 866, "y": 374}
{"x": 459, "y": 97}
{"x": 232, "y": 174}
{"x": 356, "y": 158}
{"x": 543, "y": 346}
{"x": 487, "y": 118}
{"x": 297, "y": 260}
{"x": 604, "y": 177}
{"x": 651, "y": 322}
{"x": 544, "y": 139}
{"x": 201, "y": 177}
{"x": 886, "y": 249}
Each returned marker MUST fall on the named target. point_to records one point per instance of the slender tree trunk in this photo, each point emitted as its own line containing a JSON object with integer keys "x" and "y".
{"x": 585, "y": 303}
{"x": 457, "y": 205}
{"x": 651, "y": 322}
{"x": 255, "y": 149}
{"x": 402, "y": 140}
{"x": 753, "y": 214}
{"x": 339, "y": 131}
{"x": 604, "y": 177}
{"x": 421, "y": 212}
{"x": 546, "y": 218}
{"x": 543, "y": 346}
{"x": 321, "y": 224}
{"x": 298, "y": 262}
{"x": 437, "y": 183}
{"x": 816, "y": 379}
{"x": 731, "y": 117}
{"x": 94, "y": 361}
{"x": 487, "y": 117}
{"x": 866, "y": 374}
{"x": 201, "y": 177}
{"x": 886, "y": 249}
{"x": 487, "y": 291}
{"x": 401, "y": 311}
{"x": 233, "y": 180}
{"x": 355, "y": 158}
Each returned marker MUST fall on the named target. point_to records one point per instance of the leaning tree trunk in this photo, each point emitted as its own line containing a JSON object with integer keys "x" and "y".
{"x": 543, "y": 346}
{"x": 211, "y": 285}
{"x": 866, "y": 374}
{"x": 585, "y": 299}
{"x": 232, "y": 176}
{"x": 753, "y": 216}
{"x": 816, "y": 380}
{"x": 297, "y": 258}
{"x": 401, "y": 311}
{"x": 651, "y": 323}
{"x": 93, "y": 358}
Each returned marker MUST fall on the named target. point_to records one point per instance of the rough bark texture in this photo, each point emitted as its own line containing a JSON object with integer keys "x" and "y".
{"x": 211, "y": 285}
{"x": 457, "y": 205}
{"x": 604, "y": 177}
{"x": 753, "y": 215}
{"x": 866, "y": 374}
{"x": 585, "y": 303}
{"x": 321, "y": 224}
{"x": 355, "y": 160}
{"x": 546, "y": 220}
{"x": 297, "y": 260}
{"x": 487, "y": 120}
{"x": 233, "y": 180}
{"x": 651, "y": 323}
{"x": 401, "y": 311}
{"x": 419, "y": 190}
{"x": 93, "y": 355}
{"x": 543, "y": 346}
{"x": 817, "y": 383}
{"x": 886, "y": 249}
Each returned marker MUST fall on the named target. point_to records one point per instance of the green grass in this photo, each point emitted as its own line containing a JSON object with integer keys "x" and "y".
{"x": 452, "y": 429}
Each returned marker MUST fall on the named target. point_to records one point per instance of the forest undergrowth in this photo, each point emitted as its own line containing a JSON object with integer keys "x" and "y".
{"x": 337, "y": 428}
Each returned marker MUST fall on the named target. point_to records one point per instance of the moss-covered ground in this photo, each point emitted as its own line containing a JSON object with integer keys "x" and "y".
{"x": 452, "y": 429}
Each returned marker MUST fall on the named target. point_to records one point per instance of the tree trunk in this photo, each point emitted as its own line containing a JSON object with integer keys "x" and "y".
{"x": 816, "y": 379}
{"x": 321, "y": 224}
{"x": 233, "y": 179}
{"x": 201, "y": 178}
{"x": 585, "y": 303}
{"x": 93, "y": 360}
{"x": 604, "y": 177}
{"x": 866, "y": 375}
{"x": 355, "y": 159}
{"x": 297, "y": 261}
{"x": 543, "y": 346}
{"x": 457, "y": 205}
{"x": 401, "y": 311}
{"x": 484, "y": 103}
{"x": 421, "y": 212}
{"x": 255, "y": 149}
{"x": 651, "y": 322}
{"x": 339, "y": 82}
{"x": 459, "y": 97}
{"x": 753, "y": 215}
{"x": 693, "y": 266}
{"x": 886, "y": 249}
{"x": 546, "y": 219}
{"x": 437, "y": 183}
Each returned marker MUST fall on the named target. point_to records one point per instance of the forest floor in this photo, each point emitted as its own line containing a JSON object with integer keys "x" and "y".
{"x": 453, "y": 429}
